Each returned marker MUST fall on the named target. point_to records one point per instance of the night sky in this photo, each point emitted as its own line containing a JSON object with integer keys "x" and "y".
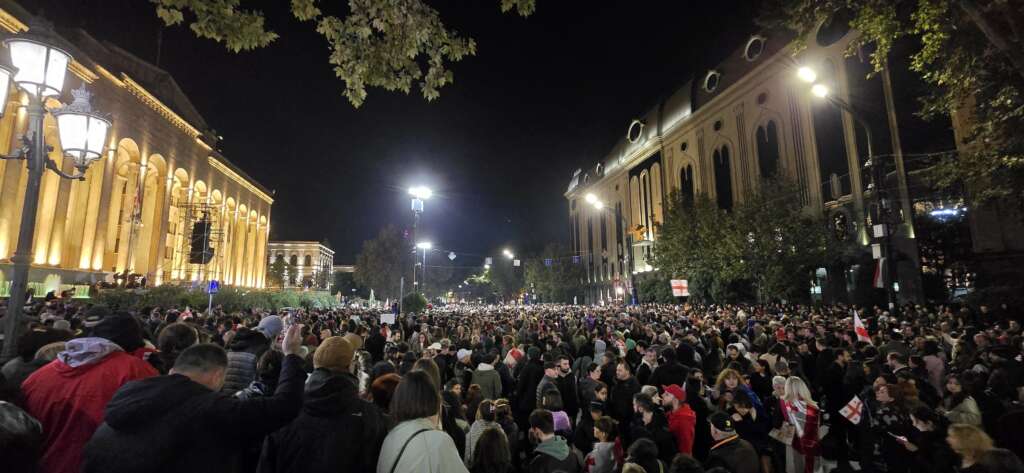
{"x": 543, "y": 96}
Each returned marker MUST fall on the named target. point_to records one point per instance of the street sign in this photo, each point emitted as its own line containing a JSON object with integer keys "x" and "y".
{"x": 451, "y": 256}
{"x": 488, "y": 261}
{"x": 213, "y": 287}
{"x": 680, "y": 288}
{"x": 515, "y": 263}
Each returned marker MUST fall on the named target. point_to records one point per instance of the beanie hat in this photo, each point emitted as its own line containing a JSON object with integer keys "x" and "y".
{"x": 355, "y": 340}
{"x": 334, "y": 354}
{"x": 121, "y": 329}
{"x": 270, "y": 327}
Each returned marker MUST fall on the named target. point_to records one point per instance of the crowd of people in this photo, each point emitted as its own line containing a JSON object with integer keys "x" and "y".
{"x": 543, "y": 388}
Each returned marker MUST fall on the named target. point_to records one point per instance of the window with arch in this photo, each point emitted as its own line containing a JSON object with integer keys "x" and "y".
{"x": 830, "y": 140}
{"x": 723, "y": 178}
{"x": 768, "y": 149}
{"x": 294, "y": 260}
{"x": 686, "y": 185}
{"x": 307, "y": 261}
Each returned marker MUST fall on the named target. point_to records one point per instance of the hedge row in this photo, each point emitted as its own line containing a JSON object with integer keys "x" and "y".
{"x": 232, "y": 299}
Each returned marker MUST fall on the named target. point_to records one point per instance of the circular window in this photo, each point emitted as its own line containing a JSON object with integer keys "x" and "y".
{"x": 711, "y": 81}
{"x": 762, "y": 98}
{"x": 683, "y": 146}
{"x": 755, "y": 46}
{"x": 834, "y": 28}
{"x": 600, "y": 169}
{"x": 635, "y": 131}
{"x": 718, "y": 125}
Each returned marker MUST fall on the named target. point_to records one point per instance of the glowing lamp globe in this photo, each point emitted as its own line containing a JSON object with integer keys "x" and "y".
{"x": 41, "y": 67}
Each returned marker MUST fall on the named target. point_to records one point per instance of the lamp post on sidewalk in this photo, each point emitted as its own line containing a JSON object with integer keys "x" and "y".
{"x": 40, "y": 69}
{"x": 881, "y": 211}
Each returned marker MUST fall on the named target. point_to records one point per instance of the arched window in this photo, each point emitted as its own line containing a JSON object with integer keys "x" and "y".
{"x": 307, "y": 261}
{"x": 830, "y": 140}
{"x": 686, "y": 187}
{"x": 768, "y": 149}
{"x": 279, "y": 257}
{"x": 723, "y": 178}
{"x": 294, "y": 260}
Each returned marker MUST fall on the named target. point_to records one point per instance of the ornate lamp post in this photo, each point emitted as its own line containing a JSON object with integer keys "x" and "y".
{"x": 597, "y": 204}
{"x": 40, "y": 69}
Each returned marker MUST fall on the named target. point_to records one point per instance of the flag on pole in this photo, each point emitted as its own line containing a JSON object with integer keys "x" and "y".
{"x": 879, "y": 281}
{"x": 852, "y": 410}
{"x": 860, "y": 329}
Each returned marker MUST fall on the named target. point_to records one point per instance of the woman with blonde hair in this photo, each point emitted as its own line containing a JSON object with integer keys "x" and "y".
{"x": 970, "y": 443}
{"x": 803, "y": 416}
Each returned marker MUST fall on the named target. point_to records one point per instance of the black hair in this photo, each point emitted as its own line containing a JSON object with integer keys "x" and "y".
{"x": 542, "y": 420}
{"x": 492, "y": 452}
{"x": 643, "y": 450}
{"x": 683, "y": 463}
{"x": 201, "y": 358}
{"x": 415, "y": 397}
{"x": 740, "y": 398}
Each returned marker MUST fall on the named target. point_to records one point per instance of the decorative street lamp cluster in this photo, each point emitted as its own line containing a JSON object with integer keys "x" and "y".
{"x": 881, "y": 214}
{"x": 38, "y": 70}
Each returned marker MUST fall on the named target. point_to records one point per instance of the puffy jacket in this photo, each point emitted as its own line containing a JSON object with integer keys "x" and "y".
{"x": 21, "y": 438}
{"x": 245, "y": 350}
{"x": 172, "y": 424}
{"x": 335, "y": 432}
{"x": 68, "y": 395}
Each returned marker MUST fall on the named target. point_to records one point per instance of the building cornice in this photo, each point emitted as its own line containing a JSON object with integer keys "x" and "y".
{"x": 234, "y": 176}
{"x": 11, "y": 24}
{"x": 149, "y": 99}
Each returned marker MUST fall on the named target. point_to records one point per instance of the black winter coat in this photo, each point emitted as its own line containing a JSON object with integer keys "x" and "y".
{"x": 667, "y": 374}
{"x": 736, "y": 455}
{"x": 173, "y": 424}
{"x": 336, "y": 431}
{"x": 622, "y": 400}
{"x": 526, "y": 386}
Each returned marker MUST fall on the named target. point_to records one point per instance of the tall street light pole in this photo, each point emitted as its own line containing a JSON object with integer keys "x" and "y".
{"x": 882, "y": 208}
{"x": 424, "y": 245}
{"x": 418, "y": 194}
{"x": 628, "y": 240}
{"x": 39, "y": 72}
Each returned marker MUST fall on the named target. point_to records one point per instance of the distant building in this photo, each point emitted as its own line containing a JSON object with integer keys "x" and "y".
{"x": 344, "y": 268}
{"x": 135, "y": 211}
{"x": 309, "y": 258}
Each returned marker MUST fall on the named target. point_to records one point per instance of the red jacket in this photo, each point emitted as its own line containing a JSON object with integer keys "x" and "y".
{"x": 682, "y": 423}
{"x": 69, "y": 403}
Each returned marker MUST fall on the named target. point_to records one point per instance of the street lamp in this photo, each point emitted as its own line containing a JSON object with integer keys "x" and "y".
{"x": 39, "y": 70}
{"x": 419, "y": 194}
{"x": 880, "y": 211}
{"x": 597, "y": 204}
{"x": 424, "y": 245}
{"x": 508, "y": 253}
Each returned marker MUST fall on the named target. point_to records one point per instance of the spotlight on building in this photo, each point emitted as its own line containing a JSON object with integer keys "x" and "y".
{"x": 590, "y": 198}
{"x": 819, "y": 90}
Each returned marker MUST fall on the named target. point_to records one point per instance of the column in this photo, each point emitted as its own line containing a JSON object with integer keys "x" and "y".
{"x": 103, "y": 216}
{"x": 164, "y": 224}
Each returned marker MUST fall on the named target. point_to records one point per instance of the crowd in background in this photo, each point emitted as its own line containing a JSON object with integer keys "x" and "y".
{"x": 544, "y": 388}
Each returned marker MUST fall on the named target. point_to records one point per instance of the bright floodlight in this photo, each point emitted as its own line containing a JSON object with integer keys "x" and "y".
{"x": 487, "y": 266}
{"x": 420, "y": 192}
{"x": 424, "y": 245}
{"x": 599, "y": 205}
{"x": 807, "y": 74}
{"x": 820, "y": 90}
{"x": 506, "y": 252}
{"x": 590, "y": 198}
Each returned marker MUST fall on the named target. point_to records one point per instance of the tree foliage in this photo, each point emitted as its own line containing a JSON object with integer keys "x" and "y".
{"x": 391, "y": 44}
{"x": 558, "y": 282}
{"x": 766, "y": 247}
{"x": 276, "y": 273}
{"x": 970, "y": 53}
{"x": 506, "y": 278}
{"x": 382, "y": 262}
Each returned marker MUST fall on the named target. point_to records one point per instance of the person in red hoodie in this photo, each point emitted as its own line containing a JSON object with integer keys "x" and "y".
{"x": 682, "y": 421}
{"x": 69, "y": 394}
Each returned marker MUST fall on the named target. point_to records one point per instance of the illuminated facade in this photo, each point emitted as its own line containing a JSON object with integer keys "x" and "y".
{"x": 134, "y": 212}
{"x": 309, "y": 258}
{"x": 740, "y": 120}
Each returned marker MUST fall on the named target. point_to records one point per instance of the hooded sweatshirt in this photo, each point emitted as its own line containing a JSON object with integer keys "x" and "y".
{"x": 553, "y": 455}
{"x": 68, "y": 395}
{"x": 489, "y": 381}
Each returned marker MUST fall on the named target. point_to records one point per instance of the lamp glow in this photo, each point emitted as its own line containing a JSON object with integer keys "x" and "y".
{"x": 424, "y": 245}
{"x": 590, "y": 198}
{"x": 421, "y": 192}
{"x": 83, "y": 132}
{"x": 41, "y": 68}
{"x": 6, "y": 73}
{"x": 807, "y": 74}
{"x": 820, "y": 90}
{"x": 599, "y": 205}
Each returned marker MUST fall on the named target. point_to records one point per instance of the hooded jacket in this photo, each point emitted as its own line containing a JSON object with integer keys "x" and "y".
{"x": 489, "y": 380}
{"x": 554, "y": 455}
{"x": 335, "y": 432}
{"x": 67, "y": 397}
{"x": 246, "y": 349}
{"x": 172, "y": 424}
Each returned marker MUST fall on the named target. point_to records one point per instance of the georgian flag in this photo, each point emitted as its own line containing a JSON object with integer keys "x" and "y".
{"x": 860, "y": 329}
{"x": 878, "y": 281}
{"x": 852, "y": 410}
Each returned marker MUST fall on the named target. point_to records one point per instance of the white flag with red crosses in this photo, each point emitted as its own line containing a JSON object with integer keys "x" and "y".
{"x": 852, "y": 410}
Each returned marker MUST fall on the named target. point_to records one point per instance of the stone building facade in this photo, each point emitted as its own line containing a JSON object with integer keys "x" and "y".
{"x": 136, "y": 208}
{"x": 309, "y": 258}
{"x": 740, "y": 120}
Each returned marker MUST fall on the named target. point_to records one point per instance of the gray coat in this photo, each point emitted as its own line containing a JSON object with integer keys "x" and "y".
{"x": 432, "y": 451}
{"x": 489, "y": 381}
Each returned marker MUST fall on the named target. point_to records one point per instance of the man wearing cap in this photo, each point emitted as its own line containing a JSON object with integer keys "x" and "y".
{"x": 682, "y": 421}
{"x": 730, "y": 451}
{"x": 69, "y": 394}
{"x": 336, "y": 431}
{"x": 183, "y": 422}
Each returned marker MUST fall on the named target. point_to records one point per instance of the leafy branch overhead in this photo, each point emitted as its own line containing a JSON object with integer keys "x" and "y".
{"x": 390, "y": 44}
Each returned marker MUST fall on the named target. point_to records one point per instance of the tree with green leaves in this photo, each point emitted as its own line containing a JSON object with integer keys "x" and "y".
{"x": 276, "y": 273}
{"x": 971, "y": 55}
{"x": 382, "y": 262}
{"x": 291, "y": 274}
{"x": 345, "y": 282}
{"x": 390, "y": 44}
{"x": 558, "y": 282}
{"x": 506, "y": 278}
